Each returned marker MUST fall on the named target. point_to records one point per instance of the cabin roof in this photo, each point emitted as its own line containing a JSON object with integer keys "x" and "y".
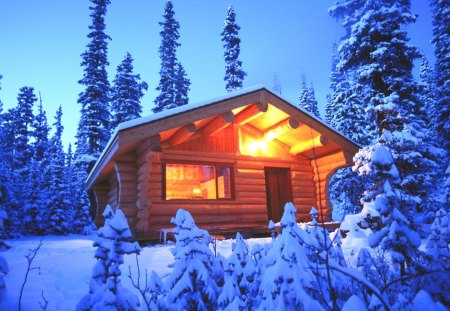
{"x": 128, "y": 135}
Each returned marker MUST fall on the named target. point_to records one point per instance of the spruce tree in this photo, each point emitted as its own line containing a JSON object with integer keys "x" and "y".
{"x": 287, "y": 279}
{"x": 376, "y": 50}
{"x": 398, "y": 234}
{"x": 173, "y": 84}
{"x": 234, "y": 75}
{"x": 23, "y": 119}
{"x": 58, "y": 210}
{"x": 191, "y": 285}
{"x": 94, "y": 125}
{"x": 441, "y": 41}
{"x": 40, "y": 133}
{"x": 307, "y": 99}
{"x": 126, "y": 93}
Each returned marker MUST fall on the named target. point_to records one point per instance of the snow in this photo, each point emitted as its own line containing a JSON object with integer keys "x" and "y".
{"x": 65, "y": 268}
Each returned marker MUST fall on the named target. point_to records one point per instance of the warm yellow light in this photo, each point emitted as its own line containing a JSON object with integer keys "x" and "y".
{"x": 196, "y": 193}
{"x": 257, "y": 145}
{"x": 269, "y": 136}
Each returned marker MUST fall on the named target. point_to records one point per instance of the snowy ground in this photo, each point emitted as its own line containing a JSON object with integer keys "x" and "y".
{"x": 64, "y": 268}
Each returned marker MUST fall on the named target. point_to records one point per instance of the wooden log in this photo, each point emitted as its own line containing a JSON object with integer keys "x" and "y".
{"x": 150, "y": 144}
{"x": 281, "y": 128}
{"x": 181, "y": 135}
{"x": 317, "y": 141}
{"x": 171, "y": 209}
{"x": 249, "y": 181}
{"x": 217, "y": 124}
{"x": 213, "y": 219}
{"x": 251, "y": 112}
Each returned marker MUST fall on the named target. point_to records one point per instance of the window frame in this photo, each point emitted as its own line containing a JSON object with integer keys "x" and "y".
{"x": 201, "y": 163}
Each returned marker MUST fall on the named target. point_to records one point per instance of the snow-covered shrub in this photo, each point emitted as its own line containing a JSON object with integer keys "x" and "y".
{"x": 437, "y": 247}
{"x": 191, "y": 285}
{"x": 105, "y": 289}
{"x": 287, "y": 278}
{"x": 4, "y": 268}
{"x": 239, "y": 277}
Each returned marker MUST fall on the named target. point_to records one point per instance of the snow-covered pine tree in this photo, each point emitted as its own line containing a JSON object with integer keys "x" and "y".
{"x": 441, "y": 41}
{"x": 398, "y": 234}
{"x": 437, "y": 247}
{"x": 239, "y": 275}
{"x": 58, "y": 211}
{"x": 23, "y": 120}
{"x": 307, "y": 98}
{"x": 287, "y": 278}
{"x": 234, "y": 75}
{"x": 37, "y": 190}
{"x": 427, "y": 89}
{"x": 182, "y": 84}
{"x": 191, "y": 285}
{"x": 105, "y": 290}
{"x": 173, "y": 84}
{"x": 126, "y": 93}
{"x": 381, "y": 62}
{"x": 94, "y": 126}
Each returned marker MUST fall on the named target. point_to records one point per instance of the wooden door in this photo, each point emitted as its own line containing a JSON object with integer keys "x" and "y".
{"x": 279, "y": 191}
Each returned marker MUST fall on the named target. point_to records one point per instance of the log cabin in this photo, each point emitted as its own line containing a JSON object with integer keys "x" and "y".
{"x": 232, "y": 162}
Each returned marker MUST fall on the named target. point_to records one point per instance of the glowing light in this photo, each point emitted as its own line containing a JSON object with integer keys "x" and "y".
{"x": 196, "y": 193}
{"x": 257, "y": 145}
{"x": 270, "y": 136}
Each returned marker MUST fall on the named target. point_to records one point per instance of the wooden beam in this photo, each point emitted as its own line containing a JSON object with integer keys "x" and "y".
{"x": 181, "y": 135}
{"x": 281, "y": 128}
{"x": 250, "y": 113}
{"x": 217, "y": 124}
{"x": 317, "y": 141}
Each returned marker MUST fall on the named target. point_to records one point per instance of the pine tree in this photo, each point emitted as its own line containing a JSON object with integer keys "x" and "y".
{"x": 182, "y": 84}
{"x": 94, "y": 125}
{"x": 58, "y": 210}
{"x": 105, "y": 289}
{"x": 40, "y": 133}
{"x": 287, "y": 278}
{"x": 398, "y": 234}
{"x": 441, "y": 41}
{"x": 376, "y": 50}
{"x": 173, "y": 84}
{"x": 239, "y": 276}
{"x": 234, "y": 75}
{"x": 23, "y": 119}
{"x": 191, "y": 285}
{"x": 307, "y": 98}
{"x": 126, "y": 93}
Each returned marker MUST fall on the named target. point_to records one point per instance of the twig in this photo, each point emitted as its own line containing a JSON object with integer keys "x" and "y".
{"x": 43, "y": 305}
{"x": 137, "y": 283}
{"x": 30, "y": 257}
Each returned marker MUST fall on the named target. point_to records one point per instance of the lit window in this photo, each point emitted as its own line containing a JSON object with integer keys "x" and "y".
{"x": 197, "y": 182}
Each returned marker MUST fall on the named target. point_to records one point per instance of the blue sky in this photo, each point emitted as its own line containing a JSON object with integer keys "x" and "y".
{"x": 41, "y": 43}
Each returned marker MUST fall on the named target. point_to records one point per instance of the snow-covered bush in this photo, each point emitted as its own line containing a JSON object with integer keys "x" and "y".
{"x": 4, "y": 268}
{"x": 287, "y": 278}
{"x": 105, "y": 289}
{"x": 239, "y": 276}
{"x": 191, "y": 285}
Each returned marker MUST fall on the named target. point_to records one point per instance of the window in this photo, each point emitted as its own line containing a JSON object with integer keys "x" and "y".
{"x": 197, "y": 182}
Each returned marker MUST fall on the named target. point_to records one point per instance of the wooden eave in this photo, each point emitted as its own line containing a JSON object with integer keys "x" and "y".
{"x": 268, "y": 109}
